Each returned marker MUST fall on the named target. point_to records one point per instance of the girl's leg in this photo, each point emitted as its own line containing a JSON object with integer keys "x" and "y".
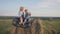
{"x": 21, "y": 20}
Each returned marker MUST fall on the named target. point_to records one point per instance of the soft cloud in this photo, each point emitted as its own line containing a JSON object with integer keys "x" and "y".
{"x": 48, "y": 4}
{"x": 47, "y": 8}
{"x": 37, "y": 7}
{"x": 8, "y": 13}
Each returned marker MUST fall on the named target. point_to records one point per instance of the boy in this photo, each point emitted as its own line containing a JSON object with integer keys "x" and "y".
{"x": 27, "y": 16}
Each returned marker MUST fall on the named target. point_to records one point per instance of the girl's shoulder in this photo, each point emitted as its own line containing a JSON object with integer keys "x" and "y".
{"x": 20, "y": 12}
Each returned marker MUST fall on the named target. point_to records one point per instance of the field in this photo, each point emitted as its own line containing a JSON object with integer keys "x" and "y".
{"x": 5, "y": 25}
{"x": 51, "y": 26}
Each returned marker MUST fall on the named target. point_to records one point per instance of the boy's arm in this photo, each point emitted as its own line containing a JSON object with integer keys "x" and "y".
{"x": 29, "y": 15}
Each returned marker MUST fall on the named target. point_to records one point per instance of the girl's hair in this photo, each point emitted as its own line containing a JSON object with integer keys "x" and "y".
{"x": 21, "y": 8}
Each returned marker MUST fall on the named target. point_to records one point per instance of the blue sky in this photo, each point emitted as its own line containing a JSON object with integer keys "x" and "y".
{"x": 36, "y": 7}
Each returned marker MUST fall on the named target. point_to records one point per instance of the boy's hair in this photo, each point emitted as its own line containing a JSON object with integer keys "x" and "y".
{"x": 26, "y": 9}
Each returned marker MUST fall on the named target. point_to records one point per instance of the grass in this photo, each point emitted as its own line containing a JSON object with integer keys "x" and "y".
{"x": 5, "y": 25}
{"x": 50, "y": 26}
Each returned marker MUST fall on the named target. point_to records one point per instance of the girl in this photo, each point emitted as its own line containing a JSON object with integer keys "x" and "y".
{"x": 20, "y": 14}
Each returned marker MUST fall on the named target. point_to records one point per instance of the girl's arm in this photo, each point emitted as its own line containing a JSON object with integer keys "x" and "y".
{"x": 20, "y": 16}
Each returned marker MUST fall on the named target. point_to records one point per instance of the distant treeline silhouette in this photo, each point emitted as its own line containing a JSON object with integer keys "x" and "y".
{"x": 44, "y": 18}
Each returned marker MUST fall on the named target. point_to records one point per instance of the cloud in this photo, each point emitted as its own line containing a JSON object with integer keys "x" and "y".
{"x": 37, "y": 7}
{"x": 48, "y": 4}
{"x": 46, "y": 8}
{"x": 8, "y": 13}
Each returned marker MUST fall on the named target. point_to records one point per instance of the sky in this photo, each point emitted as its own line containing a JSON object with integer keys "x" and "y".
{"x": 43, "y": 8}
